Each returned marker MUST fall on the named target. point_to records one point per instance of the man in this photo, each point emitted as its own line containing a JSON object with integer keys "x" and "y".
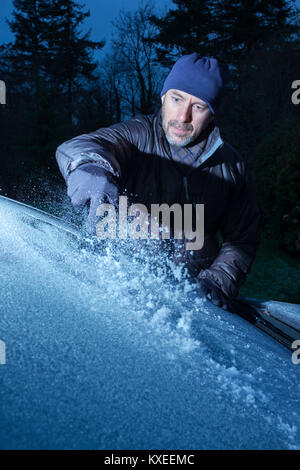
{"x": 176, "y": 156}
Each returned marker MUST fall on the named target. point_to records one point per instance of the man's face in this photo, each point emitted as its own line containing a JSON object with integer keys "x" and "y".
{"x": 184, "y": 117}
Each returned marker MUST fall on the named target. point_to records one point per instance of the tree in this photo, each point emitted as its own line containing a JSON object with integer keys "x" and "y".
{"x": 134, "y": 53}
{"x": 276, "y": 167}
{"x": 50, "y": 47}
{"x": 245, "y": 27}
{"x": 70, "y": 64}
{"x": 47, "y": 67}
{"x": 226, "y": 29}
{"x": 185, "y": 29}
{"x": 112, "y": 73}
{"x": 92, "y": 108}
{"x": 29, "y": 49}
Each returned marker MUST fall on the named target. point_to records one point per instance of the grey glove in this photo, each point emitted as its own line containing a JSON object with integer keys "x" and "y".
{"x": 208, "y": 288}
{"x": 90, "y": 183}
{"x": 233, "y": 305}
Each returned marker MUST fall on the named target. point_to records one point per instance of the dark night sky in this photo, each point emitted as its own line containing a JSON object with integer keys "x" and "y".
{"x": 102, "y": 13}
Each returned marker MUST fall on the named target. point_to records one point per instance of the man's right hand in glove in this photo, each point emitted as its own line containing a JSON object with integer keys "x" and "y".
{"x": 90, "y": 183}
{"x": 209, "y": 289}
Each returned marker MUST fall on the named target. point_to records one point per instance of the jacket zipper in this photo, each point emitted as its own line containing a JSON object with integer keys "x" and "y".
{"x": 186, "y": 188}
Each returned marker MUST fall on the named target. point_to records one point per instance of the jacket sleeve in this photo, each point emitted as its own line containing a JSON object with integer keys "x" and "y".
{"x": 240, "y": 228}
{"x": 111, "y": 148}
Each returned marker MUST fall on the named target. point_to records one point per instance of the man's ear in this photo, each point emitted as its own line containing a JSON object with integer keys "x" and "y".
{"x": 163, "y": 98}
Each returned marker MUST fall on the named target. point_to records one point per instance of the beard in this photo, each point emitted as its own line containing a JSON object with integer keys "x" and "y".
{"x": 178, "y": 140}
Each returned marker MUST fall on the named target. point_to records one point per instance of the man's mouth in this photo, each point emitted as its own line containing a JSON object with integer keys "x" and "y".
{"x": 181, "y": 130}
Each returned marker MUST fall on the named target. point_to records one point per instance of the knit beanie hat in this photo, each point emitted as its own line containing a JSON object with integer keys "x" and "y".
{"x": 203, "y": 77}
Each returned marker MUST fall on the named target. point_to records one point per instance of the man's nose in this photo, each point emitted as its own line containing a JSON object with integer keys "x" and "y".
{"x": 185, "y": 114}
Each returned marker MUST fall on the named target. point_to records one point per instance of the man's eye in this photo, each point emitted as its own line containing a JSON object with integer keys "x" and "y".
{"x": 174, "y": 98}
{"x": 198, "y": 107}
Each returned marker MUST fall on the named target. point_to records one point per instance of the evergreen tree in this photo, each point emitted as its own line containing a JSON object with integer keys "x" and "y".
{"x": 47, "y": 67}
{"x": 50, "y": 48}
{"x": 185, "y": 29}
{"x": 245, "y": 27}
{"x": 29, "y": 48}
{"x": 226, "y": 29}
{"x": 70, "y": 65}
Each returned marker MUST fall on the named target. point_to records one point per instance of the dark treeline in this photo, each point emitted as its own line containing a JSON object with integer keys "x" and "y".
{"x": 56, "y": 90}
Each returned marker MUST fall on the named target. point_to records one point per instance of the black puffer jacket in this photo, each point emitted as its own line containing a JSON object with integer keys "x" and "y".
{"x": 138, "y": 154}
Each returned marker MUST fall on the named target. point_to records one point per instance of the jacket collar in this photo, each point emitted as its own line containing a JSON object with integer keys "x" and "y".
{"x": 214, "y": 141}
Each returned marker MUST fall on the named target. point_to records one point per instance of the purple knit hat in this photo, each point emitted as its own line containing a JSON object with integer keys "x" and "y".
{"x": 203, "y": 77}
